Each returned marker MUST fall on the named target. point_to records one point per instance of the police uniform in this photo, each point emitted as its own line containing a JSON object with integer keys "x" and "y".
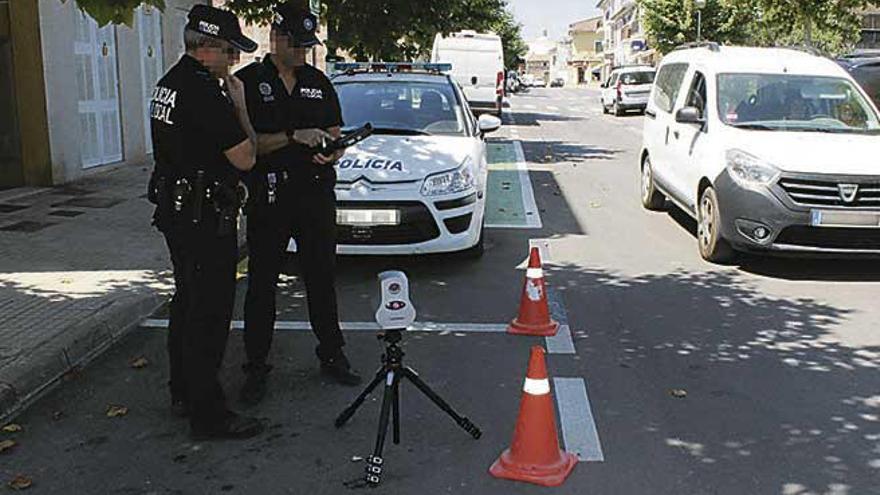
{"x": 291, "y": 196}
{"x": 193, "y": 121}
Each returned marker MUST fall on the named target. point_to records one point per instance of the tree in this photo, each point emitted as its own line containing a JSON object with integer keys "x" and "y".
{"x": 669, "y": 23}
{"x": 115, "y": 11}
{"x": 829, "y": 25}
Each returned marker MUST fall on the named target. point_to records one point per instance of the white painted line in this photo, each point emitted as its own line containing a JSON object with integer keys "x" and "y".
{"x": 552, "y": 108}
{"x": 561, "y": 343}
{"x": 533, "y": 216}
{"x": 365, "y": 326}
{"x": 578, "y": 426}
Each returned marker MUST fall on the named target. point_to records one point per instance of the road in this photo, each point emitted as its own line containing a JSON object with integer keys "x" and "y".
{"x": 758, "y": 378}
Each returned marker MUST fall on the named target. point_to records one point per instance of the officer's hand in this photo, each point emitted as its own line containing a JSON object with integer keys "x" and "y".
{"x": 327, "y": 160}
{"x": 311, "y": 138}
{"x": 235, "y": 89}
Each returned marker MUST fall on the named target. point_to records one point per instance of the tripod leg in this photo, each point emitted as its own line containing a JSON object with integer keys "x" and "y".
{"x": 375, "y": 461}
{"x": 395, "y": 411}
{"x": 345, "y": 415}
{"x": 462, "y": 421}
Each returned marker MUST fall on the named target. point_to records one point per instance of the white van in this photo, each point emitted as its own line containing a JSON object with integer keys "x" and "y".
{"x": 477, "y": 65}
{"x": 769, "y": 149}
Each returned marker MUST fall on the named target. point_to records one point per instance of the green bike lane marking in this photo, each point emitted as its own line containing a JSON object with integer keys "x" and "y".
{"x": 510, "y": 199}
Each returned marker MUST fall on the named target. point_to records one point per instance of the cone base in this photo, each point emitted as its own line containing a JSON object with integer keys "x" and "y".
{"x": 552, "y": 475}
{"x": 516, "y": 327}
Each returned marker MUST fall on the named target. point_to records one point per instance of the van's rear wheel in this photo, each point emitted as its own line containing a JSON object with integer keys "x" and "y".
{"x": 713, "y": 247}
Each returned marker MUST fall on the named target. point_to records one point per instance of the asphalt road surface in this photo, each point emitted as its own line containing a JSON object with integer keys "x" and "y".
{"x": 758, "y": 378}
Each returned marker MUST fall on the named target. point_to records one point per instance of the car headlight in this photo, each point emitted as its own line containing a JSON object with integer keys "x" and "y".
{"x": 748, "y": 170}
{"x": 450, "y": 182}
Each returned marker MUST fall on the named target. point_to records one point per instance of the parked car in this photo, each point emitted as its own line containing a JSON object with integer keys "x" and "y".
{"x": 418, "y": 185}
{"x": 557, "y": 82}
{"x": 865, "y": 69}
{"x": 477, "y": 64}
{"x": 627, "y": 89}
{"x": 770, "y": 150}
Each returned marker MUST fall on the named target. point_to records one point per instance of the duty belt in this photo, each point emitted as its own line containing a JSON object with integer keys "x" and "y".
{"x": 272, "y": 181}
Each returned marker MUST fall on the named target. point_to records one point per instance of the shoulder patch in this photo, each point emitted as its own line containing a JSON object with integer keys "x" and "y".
{"x": 265, "y": 89}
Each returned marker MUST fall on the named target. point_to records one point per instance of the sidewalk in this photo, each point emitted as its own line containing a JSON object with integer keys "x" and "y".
{"x": 80, "y": 266}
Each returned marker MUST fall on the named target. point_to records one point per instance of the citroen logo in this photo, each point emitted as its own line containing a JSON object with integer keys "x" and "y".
{"x": 848, "y": 192}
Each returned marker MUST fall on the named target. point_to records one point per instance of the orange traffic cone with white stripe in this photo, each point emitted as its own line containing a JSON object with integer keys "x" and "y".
{"x": 534, "y": 312}
{"x": 535, "y": 456}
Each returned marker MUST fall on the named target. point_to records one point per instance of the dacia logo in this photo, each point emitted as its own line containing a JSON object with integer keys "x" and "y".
{"x": 848, "y": 192}
{"x": 208, "y": 28}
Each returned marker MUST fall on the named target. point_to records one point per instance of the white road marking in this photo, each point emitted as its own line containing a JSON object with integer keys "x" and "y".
{"x": 579, "y": 432}
{"x": 552, "y": 108}
{"x": 364, "y": 326}
{"x": 561, "y": 343}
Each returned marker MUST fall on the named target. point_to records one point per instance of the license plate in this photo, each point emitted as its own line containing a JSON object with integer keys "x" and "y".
{"x": 367, "y": 217}
{"x": 824, "y": 218}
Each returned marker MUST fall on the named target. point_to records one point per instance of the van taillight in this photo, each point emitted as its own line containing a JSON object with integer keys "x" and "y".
{"x": 499, "y": 84}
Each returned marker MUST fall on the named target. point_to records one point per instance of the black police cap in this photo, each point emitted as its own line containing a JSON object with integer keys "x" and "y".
{"x": 299, "y": 23}
{"x": 222, "y": 24}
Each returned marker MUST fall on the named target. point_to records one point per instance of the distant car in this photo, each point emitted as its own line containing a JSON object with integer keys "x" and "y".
{"x": 865, "y": 69}
{"x": 627, "y": 88}
{"x": 418, "y": 185}
{"x": 528, "y": 80}
{"x": 557, "y": 83}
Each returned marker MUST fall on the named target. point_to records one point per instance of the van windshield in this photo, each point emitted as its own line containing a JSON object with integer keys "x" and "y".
{"x": 633, "y": 78}
{"x": 402, "y": 107}
{"x": 783, "y": 102}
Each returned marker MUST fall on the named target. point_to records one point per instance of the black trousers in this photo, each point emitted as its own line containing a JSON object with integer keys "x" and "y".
{"x": 309, "y": 215}
{"x": 201, "y": 310}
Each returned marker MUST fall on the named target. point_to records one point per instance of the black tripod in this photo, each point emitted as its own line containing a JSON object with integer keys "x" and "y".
{"x": 391, "y": 372}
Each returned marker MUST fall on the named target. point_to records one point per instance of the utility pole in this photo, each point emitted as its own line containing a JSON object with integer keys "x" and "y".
{"x": 700, "y": 5}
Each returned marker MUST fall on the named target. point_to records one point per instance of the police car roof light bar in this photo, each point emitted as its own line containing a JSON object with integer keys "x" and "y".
{"x": 390, "y": 67}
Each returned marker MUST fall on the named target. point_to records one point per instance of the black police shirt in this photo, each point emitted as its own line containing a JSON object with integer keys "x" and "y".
{"x": 313, "y": 103}
{"x": 193, "y": 122}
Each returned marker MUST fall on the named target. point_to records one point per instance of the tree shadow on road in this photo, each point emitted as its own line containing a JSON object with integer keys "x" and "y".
{"x": 535, "y": 119}
{"x": 777, "y": 400}
{"x": 552, "y": 152}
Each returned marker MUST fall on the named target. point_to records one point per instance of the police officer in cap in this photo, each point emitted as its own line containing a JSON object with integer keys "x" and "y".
{"x": 293, "y": 107}
{"x": 202, "y": 140}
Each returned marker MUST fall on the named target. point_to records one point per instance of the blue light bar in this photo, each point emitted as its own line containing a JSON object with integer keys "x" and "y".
{"x": 391, "y": 67}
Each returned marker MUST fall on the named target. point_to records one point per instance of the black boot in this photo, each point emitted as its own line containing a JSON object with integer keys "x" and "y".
{"x": 254, "y": 389}
{"x": 336, "y": 366}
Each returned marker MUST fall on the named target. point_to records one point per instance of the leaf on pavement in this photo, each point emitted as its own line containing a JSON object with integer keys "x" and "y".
{"x": 139, "y": 362}
{"x": 20, "y": 482}
{"x": 12, "y": 428}
{"x": 678, "y": 393}
{"x": 6, "y": 445}
{"x": 114, "y": 411}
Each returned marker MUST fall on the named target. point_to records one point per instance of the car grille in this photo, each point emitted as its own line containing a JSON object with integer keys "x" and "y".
{"x": 830, "y": 238}
{"x": 827, "y": 192}
{"x": 416, "y": 225}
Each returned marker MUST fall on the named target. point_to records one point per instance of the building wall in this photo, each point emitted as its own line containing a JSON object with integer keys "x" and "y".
{"x": 58, "y": 27}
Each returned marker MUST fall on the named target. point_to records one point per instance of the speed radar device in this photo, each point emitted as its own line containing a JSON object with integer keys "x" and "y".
{"x": 394, "y": 315}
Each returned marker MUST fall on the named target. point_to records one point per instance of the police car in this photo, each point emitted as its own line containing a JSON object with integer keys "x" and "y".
{"x": 418, "y": 184}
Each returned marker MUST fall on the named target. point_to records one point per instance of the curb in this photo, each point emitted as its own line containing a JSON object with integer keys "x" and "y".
{"x": 81, "y": 343}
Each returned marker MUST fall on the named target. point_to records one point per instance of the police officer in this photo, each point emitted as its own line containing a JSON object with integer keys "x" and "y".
{"x": 293, "y": 107}
{"x": 202, "y": 139}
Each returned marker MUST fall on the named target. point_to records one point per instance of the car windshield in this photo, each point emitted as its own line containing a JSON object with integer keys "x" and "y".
{"x": 783, "y": 102}
{"x": 402, "y": 107}
{"x": 632, "y": 78}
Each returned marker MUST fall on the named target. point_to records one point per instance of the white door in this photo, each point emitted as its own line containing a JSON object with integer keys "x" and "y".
{"x": 98, "y": 89}
{"x": 149, "y": 26}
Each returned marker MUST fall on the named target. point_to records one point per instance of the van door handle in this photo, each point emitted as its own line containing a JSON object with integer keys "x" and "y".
{"x": 651, "y": 114}
{"x": 675, "y": 134}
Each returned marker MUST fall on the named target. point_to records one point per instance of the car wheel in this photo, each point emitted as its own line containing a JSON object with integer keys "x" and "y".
{"x": 713, "y": 247}
{"x": 618, "y": 112}
{"x": 604, "y": 107}
{"x": 652, "y": 199}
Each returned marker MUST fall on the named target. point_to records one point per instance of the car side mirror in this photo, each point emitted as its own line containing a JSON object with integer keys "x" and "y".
{"x": 488, "y": 123}
{"x": 689, "y": 115}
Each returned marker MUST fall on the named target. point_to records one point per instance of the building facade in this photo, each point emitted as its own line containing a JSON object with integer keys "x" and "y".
{"x": 75, "y": 96}
{"x": 870, "y": 39}
{"x": 587, "y": 48}
{"x": 541, "y": 59}
{"x": 624, "y": 40}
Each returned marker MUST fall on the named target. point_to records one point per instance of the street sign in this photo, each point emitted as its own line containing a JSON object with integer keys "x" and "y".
{"x": 315, "y": 6}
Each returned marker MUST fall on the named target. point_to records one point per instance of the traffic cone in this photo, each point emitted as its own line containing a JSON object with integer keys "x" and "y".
{"x": 534, "y": 456}
{"x": 534, "y": 313}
